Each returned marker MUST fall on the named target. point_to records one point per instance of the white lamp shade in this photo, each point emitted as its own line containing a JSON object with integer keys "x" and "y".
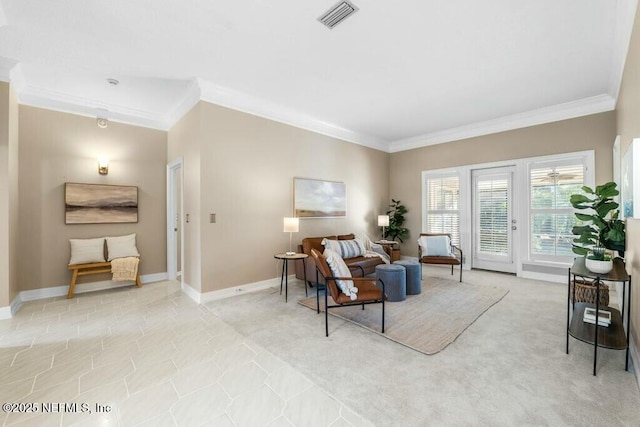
{"x": 290, "y": 225}
{"x": 383, "y": 220}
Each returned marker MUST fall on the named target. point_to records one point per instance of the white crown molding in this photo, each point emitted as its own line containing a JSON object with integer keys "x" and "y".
{"x": 569, "y": 110}
{"x": 3, "y": 16}
{"x": 190, "y": 97}
{"x": 58, "y": 101}
{"x": 235, "y": 100}
{"x": 625, "y": 16}
{"x": 5, "y": 72}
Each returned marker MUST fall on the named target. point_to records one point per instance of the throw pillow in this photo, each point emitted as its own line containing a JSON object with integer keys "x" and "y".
{"x": 84, "y": 251}
{"x": 122, "y": 246}
{"x": 435, "y": 245}
{"x": 340, "y": 269}
{"x": 346, "y": 248}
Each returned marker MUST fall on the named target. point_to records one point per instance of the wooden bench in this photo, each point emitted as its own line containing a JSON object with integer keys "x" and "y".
{"x": 92, "y": 268}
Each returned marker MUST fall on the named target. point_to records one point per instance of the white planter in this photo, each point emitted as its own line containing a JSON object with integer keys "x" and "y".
{"x": 598, "y": 267}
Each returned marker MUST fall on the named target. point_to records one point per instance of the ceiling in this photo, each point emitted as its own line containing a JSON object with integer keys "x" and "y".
{"x": 393, "y": 76}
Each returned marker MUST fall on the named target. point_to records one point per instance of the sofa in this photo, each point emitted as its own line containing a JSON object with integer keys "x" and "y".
{"x": 359, "y": 266}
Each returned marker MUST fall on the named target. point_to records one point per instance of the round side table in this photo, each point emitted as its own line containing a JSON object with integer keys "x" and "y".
{"x": 285, "y": 276}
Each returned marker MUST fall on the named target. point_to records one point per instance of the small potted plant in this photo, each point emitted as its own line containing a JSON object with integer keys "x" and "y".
{"x": 602, "y": 230}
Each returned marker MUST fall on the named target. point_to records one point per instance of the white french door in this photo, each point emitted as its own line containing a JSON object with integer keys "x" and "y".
{"x": 494, "y": 222}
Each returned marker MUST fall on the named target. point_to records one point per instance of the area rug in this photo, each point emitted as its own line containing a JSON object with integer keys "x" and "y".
{"x": 427, "y": 322}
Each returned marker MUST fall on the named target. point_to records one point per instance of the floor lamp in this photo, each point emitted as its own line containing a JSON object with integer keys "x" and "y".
{"x": 290, "y": 226}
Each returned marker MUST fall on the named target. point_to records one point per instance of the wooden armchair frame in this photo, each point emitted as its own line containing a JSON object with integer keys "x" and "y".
{"x": 368, "y": 292}
{"x": 455, "y": 259}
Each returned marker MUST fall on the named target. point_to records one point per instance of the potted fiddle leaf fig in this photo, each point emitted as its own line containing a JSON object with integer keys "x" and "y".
{"x": 601, "y": 228}
{"x": 395, "y": 230}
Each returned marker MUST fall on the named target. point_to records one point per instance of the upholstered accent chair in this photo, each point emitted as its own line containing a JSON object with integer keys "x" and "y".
{"x": 367, "y": 291}
{"x": 436, "y": 248}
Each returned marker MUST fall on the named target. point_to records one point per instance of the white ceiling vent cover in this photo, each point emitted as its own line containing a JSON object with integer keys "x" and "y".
{"x": 338, "y": 13}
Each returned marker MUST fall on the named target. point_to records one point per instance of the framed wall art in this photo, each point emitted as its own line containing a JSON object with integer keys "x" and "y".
{"x": 631, "y": 181}
{"x": 100, "y": 204}
{"x": 313, "y": 198}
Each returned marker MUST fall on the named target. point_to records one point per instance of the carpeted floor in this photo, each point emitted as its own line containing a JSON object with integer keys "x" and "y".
{"x": 427, "y": 322}
{"x": 508, "y": 368}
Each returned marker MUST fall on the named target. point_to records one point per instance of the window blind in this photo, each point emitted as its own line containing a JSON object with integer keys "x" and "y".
{"x": 552, "y": 216}
{"x": 493, "y": 211}
{"x": 442, "y": 206}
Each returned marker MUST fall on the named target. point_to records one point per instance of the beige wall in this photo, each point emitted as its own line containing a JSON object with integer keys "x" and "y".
{"x": 58, "y": 147}
{"x": 246, "y": 173}
{"x": 596, "y": 132}
{"x": 628, "y": 127}
{"x": 8, "y": 195}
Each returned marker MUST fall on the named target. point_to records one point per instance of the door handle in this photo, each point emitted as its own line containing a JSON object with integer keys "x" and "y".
{"x": 513, "y": 227}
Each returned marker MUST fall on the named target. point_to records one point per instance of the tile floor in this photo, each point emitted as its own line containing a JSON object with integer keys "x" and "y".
{"x": 152, "y": 357}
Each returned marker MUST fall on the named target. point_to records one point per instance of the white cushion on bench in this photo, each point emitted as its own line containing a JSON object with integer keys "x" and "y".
{"x": 84, "y": 251}
{"x": 122, "y": 247}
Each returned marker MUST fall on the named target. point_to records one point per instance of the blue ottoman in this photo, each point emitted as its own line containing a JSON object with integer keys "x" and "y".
{"x": 414, "y": 281}
{"x": 395, "y": 281}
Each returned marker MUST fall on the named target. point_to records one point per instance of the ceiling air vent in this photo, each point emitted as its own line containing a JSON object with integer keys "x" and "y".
{"x": 337, "y": 14}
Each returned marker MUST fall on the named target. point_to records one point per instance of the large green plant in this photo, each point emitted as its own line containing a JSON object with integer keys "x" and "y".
{"x": 602, "y": 228}
{"x": 395, "y": 230}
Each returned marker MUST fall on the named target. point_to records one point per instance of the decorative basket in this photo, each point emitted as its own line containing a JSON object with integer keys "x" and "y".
{"x": 586, "y": 292}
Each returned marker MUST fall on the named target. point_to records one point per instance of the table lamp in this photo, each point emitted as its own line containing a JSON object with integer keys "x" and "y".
{"x": 383, "y": 221}
{"x": 290, "y": 226}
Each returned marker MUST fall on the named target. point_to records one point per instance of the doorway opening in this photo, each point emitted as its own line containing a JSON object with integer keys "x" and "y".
{"x": 175, "y": 206}
{"x": 494, "y": 222}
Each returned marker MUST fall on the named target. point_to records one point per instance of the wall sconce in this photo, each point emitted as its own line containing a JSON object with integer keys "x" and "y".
{"x": 103, "y": 166}
{"x": 383, "y": 221}
{"x": 290, "y": 226}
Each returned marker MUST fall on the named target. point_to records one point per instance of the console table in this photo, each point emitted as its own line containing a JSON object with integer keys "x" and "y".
{"x": 612, "y": 336}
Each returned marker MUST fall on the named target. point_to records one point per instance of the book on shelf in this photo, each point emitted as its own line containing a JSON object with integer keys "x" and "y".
{"x": 604, "y": 316}
{"x": 593, "y": 322}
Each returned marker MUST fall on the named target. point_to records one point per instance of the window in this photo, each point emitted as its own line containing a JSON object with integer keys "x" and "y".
{"x": 493, "y": 216}
{"x": 442, "y": 205}
{"x": 551, "y": 214}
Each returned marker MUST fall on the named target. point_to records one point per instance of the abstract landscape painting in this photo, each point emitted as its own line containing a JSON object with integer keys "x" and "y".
{"x": 100, "y": 204}
{"x": 313, "y": 198}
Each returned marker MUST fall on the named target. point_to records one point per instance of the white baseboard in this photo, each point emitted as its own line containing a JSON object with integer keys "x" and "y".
{"x": 5, "y": 312}
{"x": 56, "y": 291}
{"x": 239, "y": 290}
{"x": 543, "y": 277}
{"x": 190, "y": 292}
{"x": 15, "y": 304}
{"x": 635, "y": 359}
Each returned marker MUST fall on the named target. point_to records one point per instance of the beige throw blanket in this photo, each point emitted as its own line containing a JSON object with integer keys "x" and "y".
{"x": 124, "y": 268}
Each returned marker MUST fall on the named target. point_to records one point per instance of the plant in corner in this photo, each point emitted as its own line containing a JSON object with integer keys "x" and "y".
{"x": 601, "y": 229}
{"x": 395, "y": 230}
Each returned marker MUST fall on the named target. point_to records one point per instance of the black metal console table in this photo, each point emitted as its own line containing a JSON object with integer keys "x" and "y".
{"x": 612, "y": 336}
